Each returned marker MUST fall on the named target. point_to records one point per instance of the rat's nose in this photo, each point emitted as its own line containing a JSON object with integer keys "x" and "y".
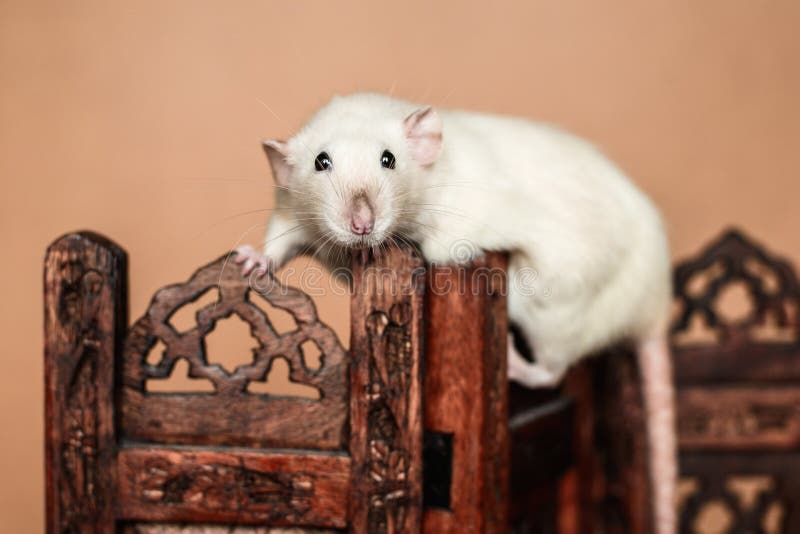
{"x": 362, "y": 220}
{"x": 360, "y": 227}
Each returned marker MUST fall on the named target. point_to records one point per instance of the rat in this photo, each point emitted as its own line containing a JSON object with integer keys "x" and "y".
{"x": 589, "y": 262}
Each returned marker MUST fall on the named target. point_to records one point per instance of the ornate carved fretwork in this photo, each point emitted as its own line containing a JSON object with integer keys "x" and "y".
{"x": 770, "y": 285}
{"x": 732, "y": 504}
{"x": 390, "y": 367}
{"x": 272, "y": 420}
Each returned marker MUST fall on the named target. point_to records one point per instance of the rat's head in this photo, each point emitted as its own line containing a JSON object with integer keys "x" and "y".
{"x": 350, "y": 171}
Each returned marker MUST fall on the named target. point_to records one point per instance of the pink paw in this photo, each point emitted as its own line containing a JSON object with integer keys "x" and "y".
{"x": 252, "y": 261}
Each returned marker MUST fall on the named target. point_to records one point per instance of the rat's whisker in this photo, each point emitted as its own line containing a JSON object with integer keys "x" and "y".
{"x": 234, "y": 216}
{"x": 317, "y": 254}
{"x": 399, "y": 236}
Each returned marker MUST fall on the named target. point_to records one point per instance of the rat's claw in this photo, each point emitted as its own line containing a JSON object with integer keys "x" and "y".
{"x": 243, "y": 253}
{"x": 261, "y": 267}
{"x": 248, "y": 266}
{"x": 251, "y": 260}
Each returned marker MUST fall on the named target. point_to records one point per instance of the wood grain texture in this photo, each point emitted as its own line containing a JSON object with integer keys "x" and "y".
{"x": 738, "y": 395}
{"x": 232, "y": 415}
{"x": 466, "y": 391}
{"x": 776, "y": 363}
{"x": 610, "y": 445}
{"x": 162, "y": 528}
{"x": 386, "y": 386}
{"x": 589, "y": 473}
{"x": 739, "y": 418}
{"x": 233, "y": 486}
{"x": 541, "y": 455}
{"x": 85, "y": 318}
{"x": 714, "y": 472}
{"x": 622, "y": 441}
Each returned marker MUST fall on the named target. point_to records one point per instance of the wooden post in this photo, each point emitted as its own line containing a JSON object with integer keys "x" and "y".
{"x": 385, "y": 393}
{"x": 85, "y": 319}
{"x": 466, "y": 392}
{"x": 610, "y": 445}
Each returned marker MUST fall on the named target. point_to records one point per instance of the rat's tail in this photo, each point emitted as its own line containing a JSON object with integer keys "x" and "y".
{"x": 655, "y": 366}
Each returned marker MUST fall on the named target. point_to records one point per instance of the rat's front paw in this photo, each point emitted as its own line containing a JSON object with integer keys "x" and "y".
{"x": 253, "y": 261}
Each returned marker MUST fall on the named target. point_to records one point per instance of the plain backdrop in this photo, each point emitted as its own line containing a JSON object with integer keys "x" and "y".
{"x": 141, "y": 120}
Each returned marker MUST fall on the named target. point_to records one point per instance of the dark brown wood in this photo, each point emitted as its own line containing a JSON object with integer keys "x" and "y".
{"x": 466, "y": 391}
{"x": 743, "y": 417}
{"x": 622, "y": 441}
{"x": 233, "y": 415}
{"x": 749, "y": 362}
{"x": 357, "y": 460}
{"x": 541, "y": 456}
{"x": 610, "y": 445}
{"x": 714, "y": 475}
{"x": 236, "y": 487}
{"x": 386, "y": 392}
{"x": 171, "y": 528}
{"x": 589, "y": 472}
{"x": 85, "y": 318}
{"x": 770, "y": 282}
{"x": 738, "y": 395}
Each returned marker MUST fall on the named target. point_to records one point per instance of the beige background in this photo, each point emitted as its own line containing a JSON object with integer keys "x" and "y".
{"x": 141, "y": 120}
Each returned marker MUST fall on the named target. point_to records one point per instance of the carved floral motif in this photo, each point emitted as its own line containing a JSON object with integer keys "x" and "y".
{"x": 217, "y": 486}
{"x": 390, "y": 368}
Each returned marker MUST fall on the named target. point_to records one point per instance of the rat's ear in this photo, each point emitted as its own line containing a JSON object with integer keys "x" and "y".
{"x": 423, "y": 130}
{"x": 277, "y": 151}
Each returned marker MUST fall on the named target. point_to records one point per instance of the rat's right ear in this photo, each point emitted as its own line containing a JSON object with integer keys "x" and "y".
{"x": 277, "y": 152}
{"x": 423, "y": 130}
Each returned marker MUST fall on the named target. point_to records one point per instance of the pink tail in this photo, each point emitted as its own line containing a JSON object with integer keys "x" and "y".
{"x": 655, "y": 367}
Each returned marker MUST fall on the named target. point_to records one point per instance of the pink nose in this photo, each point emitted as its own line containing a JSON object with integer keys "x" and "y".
{"x": 362, "y": 220}
{"x": 361, "y": 225}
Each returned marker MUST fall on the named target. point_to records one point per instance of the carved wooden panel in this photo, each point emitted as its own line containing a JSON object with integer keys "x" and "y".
{"x": 735, "y": 493}
{"x": 743, "y": 417}
{"x": 770, "y": 289}
{"x": 232, "y": 415}
{"x": 737, "y": 370}
{"x": 84, "y": 323}
{"x": 161, "y": 528}
{"x": 239, "y": 487}
{"x": 386, "y": 407}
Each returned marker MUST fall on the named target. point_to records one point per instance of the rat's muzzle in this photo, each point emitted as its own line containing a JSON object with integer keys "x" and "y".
{"x": 362, "y": 217}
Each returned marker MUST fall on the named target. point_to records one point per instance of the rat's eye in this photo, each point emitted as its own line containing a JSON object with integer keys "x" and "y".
{"x": 387, "y": 160}
{"x": 323, "y": 162}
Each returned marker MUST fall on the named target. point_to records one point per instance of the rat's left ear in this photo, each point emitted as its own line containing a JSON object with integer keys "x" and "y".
{"x": 423, "y": 130}
{"x": 277, "y": 152}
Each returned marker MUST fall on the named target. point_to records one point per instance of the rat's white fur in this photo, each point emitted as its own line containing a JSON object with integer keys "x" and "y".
{"x": 591, "y": 246}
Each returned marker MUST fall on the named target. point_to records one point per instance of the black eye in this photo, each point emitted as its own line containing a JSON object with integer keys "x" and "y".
{"x": 387, "y": 160}
{"x": 323, "y": 162}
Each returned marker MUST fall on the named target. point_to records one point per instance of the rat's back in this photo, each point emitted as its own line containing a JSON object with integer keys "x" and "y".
{"x": 596, "y": 242}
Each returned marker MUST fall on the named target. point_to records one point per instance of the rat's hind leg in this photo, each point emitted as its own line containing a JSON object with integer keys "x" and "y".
{"x": 529, "y": 374}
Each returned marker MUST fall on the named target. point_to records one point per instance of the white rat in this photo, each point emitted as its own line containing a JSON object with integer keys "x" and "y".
{"x": 589, "y": 262}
